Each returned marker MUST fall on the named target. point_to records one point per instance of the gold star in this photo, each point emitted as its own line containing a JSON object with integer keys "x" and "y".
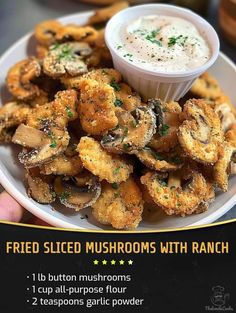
{"x": 104, "y": 262}
{"x": 130, "y": 262}
{"x": 113, "y": 262}
{"x": 95, "y": 262}
{"x": 122, "y": 262}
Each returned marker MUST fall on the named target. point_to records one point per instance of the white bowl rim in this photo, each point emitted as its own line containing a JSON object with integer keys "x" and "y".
{"x": 194, "y": 72}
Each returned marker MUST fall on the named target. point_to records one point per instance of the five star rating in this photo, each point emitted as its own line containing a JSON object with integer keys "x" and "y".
{"x": 113, "y": 262}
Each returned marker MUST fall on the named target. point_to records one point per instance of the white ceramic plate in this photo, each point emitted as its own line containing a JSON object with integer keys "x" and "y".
{"x": 12, "y": 173}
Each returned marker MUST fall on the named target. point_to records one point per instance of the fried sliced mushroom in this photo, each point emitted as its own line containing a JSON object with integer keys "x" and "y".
{"x": 108, "y": 76}
{"x": 134, "y": 131}
{"x": 63, "y": 165}
{"x": 179, "y": 198}
{"x": 45, "y": 32}
{"x": 168, "y": 122}
{"x": 20, "y": 77}
{"x": 40, "y": 188}
{"x": 103, "y": 15}
{"x": 96, "y": 107}
{"x": 67, "y": 58}
{"x": 225, "y": 164}
{"x": 78, "y": 192}
{"x": 200, "y": 135}
{"x": 119, "y": 205}
{"x": 98, "y": 161}
{"x": 162, "y": 162}
{"x": 12, "y": 114}
{"x": 72, "y": 32}
{"x": 126, "y": 98}
{"x": 48, "y": 143}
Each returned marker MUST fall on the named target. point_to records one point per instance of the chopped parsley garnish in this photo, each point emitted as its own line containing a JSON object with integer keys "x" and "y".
{"x": 115, "y": 85}
{"x": 152, "y": 37}
{"x": 117, "y": 170}
{"x": 134, "y": 123}
{"x": 119, "y": 47}
{"x": 126, "y": 130}
{"x": 164, "y": 130}
{"x": 118, "y": 102}
{"x": 114, "y": 186}
{"x": 55, "y": 46}
{"x": 128, "y": 55}
{"x": 66, "y": 53}
{"x": 126, "y": 146}
{"x": 69, "y": 113}
{"x": 180, "y": 40}
{"x": 64, "y": 195}
{"x": 53, "y": 140}
{"x": 53, "y": 194}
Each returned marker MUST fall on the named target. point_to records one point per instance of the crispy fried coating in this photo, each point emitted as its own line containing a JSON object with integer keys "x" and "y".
{"x": 63, "y": 165}
{"x": 106, "y": 13}
{"x": 160, "y": 162}
{"x": 63, "y": 108}
{"x": 12, "y": 114}
{"x": 112, "y": 168}
{"x": 77, "y": 33}
{"x": 20, "y": 76}
{"x": 119, "y": 205}
{"x": 222, "y": 167}
{"x": 96, "y": 107}
{"x": 176, "y": 200}
{"x": 41, "y": 51}
{"x": 126, "y": 98}
{"x": 200, "y": 135}
{"x": 103, "y": 76}
{"x": 207, "y": 87}
{"x": 45, "y": 32}
{"x": 168, "y": 138}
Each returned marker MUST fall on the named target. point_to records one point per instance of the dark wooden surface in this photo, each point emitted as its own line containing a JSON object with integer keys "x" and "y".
{"x": 18, "y": 17}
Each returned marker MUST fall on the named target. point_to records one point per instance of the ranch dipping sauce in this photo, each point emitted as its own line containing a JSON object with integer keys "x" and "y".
{"x": 162, "y": 43}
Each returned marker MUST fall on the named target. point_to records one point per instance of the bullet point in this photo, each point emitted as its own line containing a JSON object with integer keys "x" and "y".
{"x": 27, "y": 276}
{"x": 27, "y": 288}
{"x": 27, "y": 300}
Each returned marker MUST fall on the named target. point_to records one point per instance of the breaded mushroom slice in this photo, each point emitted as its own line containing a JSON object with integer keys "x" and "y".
{"x": 95, "y": 159}
{"x": 96, "y": 107}
{"x": 108, "y": 76}
{"x": 223, "y": 167}
{"x": 119, "y": 205}
{"x": 178, "y": 198}
{"x": 200, "y": 135}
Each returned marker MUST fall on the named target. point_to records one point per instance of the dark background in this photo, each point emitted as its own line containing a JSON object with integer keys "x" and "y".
{"x": 179, "y": 283}
{"x": 17, "y": 17}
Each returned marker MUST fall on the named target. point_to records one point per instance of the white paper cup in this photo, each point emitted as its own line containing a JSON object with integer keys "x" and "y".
{"x": 151, "y": 83}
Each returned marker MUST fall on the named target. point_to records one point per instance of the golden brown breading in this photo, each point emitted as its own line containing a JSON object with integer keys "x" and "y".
{"x": 176, "y": 200}
{"x": 45, "y": 32}
{"x": 78, "y": 33}
{"x": 200, "y": 135}
{"x": 106, "y": 13}
{"x": 126, "y": 98}
{"x": 171, "y": 119}
{"x": 206, "y": 86}
{"x": 170, "y": 161}
{"x": 106, "y": 166}
{"x": 96, "y": 107}
{"x": 104, "y": 75}
{"x": 222, "y": 167}
{"x": 119, "y": 205}
{"x": 63, "y": 165}
{"x": 63, "y": 108}
{"x": 20, "y": 76}
{"x": 41, "y": 51}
